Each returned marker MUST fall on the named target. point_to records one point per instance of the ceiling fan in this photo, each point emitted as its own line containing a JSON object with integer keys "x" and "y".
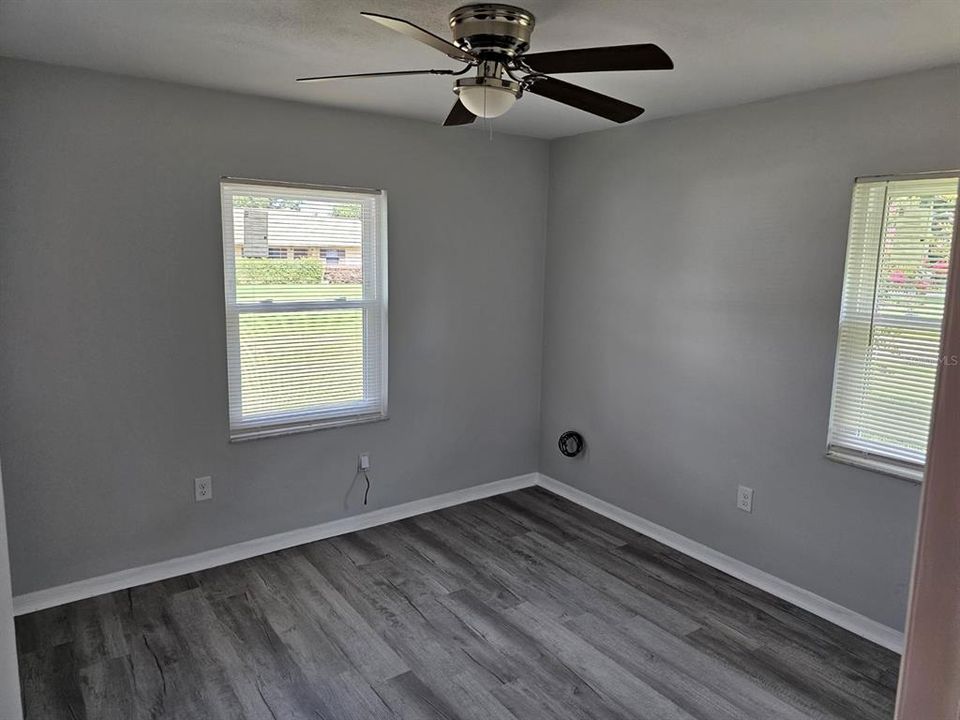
{"x": 493, "y": 39}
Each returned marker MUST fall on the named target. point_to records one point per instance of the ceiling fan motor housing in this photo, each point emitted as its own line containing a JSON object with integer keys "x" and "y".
{"x": 492, "y": 31}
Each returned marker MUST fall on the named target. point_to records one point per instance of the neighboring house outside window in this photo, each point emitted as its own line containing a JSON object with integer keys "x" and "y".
{"x": 888, "y": 349}
{"x": 306, "y": 347}
{"x": 334, "y": 256}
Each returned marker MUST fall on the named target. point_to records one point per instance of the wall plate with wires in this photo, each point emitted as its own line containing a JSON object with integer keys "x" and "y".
{"x": 363, "y": 467}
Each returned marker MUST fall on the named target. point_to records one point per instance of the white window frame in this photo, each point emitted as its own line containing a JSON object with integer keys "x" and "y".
{"x": 863, "y": 457}
{"x": 374, "y": 263}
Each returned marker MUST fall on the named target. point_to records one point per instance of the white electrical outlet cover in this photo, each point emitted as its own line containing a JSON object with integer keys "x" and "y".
{"x": 203, "y": 488}
{"x": 745, "y": 498}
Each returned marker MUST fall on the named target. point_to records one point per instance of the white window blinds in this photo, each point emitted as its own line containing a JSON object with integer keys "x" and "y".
{"x": 306, "y": 336}
{"x": 894, "y": 290}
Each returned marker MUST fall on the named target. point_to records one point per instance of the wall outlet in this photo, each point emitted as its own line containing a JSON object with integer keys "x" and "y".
{"x": 203, "y": 488}
{"x": 745, "y": 498}
{"x": 363, "y": 462}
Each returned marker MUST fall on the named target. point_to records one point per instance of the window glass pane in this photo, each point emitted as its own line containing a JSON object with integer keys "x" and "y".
{"x": 915, "y": 252}
{"x": 319, "y": 233}
{"x": 291, "y": 362}
{"x": 898, "y": 387}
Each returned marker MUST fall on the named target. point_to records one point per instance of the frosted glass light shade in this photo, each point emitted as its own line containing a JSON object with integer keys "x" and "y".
{"x": 486, "y": 102}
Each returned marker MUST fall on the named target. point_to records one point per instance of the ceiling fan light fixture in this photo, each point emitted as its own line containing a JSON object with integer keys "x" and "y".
{"x": 493, "y": 39}
{"x": 487, "y": 97}
{"x": 487, "y": 102}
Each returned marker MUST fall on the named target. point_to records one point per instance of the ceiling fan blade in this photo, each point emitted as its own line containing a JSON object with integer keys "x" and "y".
{"x": 459, "y": 115}
{"x": 583, "y": 99}
{"x": 418, "y": 33}
{"x": 393, "y": 73}
{"x": 646, "y": 56}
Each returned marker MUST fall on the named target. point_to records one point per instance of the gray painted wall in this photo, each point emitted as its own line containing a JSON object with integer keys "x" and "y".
{"x": 112, "y": 375}
{"x": 694, "y": 269}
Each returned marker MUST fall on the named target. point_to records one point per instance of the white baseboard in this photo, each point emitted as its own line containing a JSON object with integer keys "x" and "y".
{"x": 820, "y": 606}
{"x": 123, "y": 579}
{"x": 811, "y": 602}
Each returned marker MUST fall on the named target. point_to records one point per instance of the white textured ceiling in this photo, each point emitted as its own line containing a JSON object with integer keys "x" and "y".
{"x": 726, "y": 51}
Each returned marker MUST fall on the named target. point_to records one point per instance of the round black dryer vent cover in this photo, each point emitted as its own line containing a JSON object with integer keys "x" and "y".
{"x": 571, "y": 443}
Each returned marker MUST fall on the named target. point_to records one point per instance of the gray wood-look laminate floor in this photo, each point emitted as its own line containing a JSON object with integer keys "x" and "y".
{"x": 517, "y": 607}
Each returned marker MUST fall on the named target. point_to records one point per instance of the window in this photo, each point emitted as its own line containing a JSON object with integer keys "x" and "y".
{"x": 300, "y": 253}
{"x": 888, "y": 350}
{"x": 306, "y": 349}
{"x": 334, "y": 257}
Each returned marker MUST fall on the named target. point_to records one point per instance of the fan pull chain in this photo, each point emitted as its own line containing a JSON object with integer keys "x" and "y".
{"x": 487, "y": 120}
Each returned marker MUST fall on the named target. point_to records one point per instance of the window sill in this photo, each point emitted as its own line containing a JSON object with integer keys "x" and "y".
{"x": 259, "y": 433}
{"x": 912, "y": 474}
